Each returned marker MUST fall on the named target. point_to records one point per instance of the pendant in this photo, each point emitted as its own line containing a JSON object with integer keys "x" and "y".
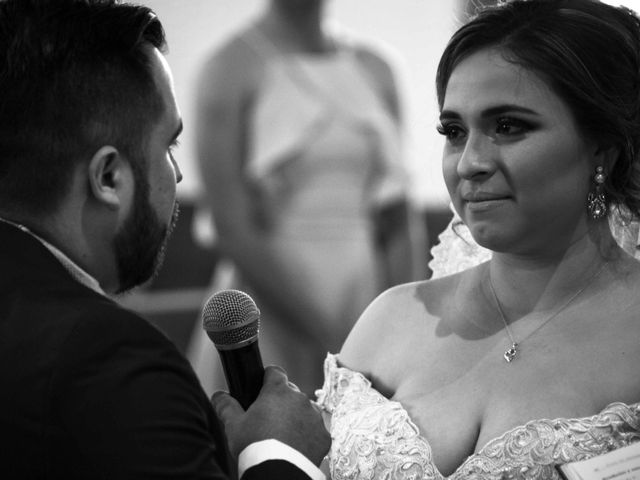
{"x": 510, "y": 354}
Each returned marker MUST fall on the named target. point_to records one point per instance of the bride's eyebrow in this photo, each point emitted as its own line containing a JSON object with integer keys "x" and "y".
{"x": 508, "y": 108}
{"x": 449, "y": 115}
{"x": 491, "y": 112}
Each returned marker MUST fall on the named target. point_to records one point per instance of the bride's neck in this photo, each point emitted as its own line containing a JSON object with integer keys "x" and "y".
{"x": 525, "y": 283}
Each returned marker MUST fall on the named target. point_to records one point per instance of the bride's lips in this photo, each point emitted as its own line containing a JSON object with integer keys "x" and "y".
{"x": 484, "y": 200}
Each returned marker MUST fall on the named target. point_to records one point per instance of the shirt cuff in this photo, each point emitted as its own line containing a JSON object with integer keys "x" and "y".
{"x": 272, "y": 449}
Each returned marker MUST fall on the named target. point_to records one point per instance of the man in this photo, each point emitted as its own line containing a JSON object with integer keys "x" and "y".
{"x": 88, "y": 119}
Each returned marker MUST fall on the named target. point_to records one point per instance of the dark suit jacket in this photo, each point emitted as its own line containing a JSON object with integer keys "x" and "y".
{"x": 91, "y": 390}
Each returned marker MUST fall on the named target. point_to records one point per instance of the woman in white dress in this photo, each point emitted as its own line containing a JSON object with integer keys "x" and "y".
{"x": 530, "y": 359}
{"x": 299, "y": 143}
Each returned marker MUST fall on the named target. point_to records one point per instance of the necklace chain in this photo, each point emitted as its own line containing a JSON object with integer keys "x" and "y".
{"x": 511, "y": 353}
{"x": 17, "y": 225}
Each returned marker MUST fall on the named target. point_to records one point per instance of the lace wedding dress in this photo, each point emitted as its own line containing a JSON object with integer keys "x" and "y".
{"x": 374, "y": 438}
{"x": 456, "y": 250}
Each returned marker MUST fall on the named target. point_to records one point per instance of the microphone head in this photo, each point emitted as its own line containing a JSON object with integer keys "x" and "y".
{"x": 231, "y": 319}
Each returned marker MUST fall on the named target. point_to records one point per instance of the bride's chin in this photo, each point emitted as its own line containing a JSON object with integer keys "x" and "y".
{"x": 490, "y": 238}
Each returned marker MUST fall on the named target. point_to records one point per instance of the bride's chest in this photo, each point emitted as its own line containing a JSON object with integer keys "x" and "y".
{"x": 465, "y": 433}
{"x": 459, "y": 417}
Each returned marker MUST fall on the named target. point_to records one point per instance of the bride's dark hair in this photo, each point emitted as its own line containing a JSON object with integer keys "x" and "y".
{"x": 589, "y": 53}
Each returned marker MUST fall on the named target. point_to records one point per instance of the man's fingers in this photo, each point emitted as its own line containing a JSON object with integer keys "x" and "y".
{"x": 293, "y": 387}
{"x": 274, "y": 375}
{"x": 226, "y": 407}
{"x": 316, "y": 406}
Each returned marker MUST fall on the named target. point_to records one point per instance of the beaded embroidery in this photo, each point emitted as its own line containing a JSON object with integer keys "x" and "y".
{"x": 373, "y": 438}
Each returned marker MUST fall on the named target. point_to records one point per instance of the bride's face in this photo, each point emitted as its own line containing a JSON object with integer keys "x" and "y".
{"x": 516, "y": 166}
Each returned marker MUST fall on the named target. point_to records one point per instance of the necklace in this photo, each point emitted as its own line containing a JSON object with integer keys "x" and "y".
{"x": 511, "y": 353}
{"x": 17, "y": 225}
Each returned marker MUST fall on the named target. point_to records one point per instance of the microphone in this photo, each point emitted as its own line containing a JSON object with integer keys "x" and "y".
{"x": 232, "y": 321}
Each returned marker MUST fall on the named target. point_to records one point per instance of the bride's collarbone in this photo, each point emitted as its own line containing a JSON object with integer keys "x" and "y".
{"x": 460, "y": 416}
{"x": 569, "y": 366}
{"x": 461, "y": 394}
{"x": 458, "y": 420}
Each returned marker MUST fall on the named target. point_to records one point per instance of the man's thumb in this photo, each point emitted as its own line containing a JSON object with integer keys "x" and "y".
{"x": 227, "y": 408}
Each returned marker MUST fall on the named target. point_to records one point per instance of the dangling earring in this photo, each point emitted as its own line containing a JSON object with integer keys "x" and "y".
{"x": 596, "y": 203}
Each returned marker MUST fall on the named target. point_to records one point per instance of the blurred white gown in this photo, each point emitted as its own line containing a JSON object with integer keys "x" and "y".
{"x": 373, "y": 438}
{"x": 324, "y": 151}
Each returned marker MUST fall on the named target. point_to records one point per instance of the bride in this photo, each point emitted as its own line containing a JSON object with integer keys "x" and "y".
{"x": 529, "y": 359}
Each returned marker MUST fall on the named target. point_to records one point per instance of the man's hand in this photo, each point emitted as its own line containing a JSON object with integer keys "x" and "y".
{"x": 280, "y": 412}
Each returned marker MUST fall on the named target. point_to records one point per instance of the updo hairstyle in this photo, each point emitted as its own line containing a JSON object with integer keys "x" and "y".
{"x": 589, "y": 54}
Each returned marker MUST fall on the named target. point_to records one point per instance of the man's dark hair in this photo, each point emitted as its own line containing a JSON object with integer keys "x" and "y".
{"x": 74, "y": 75}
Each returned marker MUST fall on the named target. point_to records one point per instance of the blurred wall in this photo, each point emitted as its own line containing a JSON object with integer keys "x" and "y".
{"x": 414, "y": 31}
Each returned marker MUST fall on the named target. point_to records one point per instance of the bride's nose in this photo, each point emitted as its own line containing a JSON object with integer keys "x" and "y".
{"x": 478, "y": 158}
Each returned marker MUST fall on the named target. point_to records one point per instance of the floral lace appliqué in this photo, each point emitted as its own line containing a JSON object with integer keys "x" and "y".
{"x": 456, "y": 250}
{"x": 373, "y": 438}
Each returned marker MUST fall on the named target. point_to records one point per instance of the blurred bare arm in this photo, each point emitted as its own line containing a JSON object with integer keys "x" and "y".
{"x": 227, "y": 89}
{"x": 400, "y": 232}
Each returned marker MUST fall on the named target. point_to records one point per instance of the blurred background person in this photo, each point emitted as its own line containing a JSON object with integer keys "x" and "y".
{"x": 299, "y": 144}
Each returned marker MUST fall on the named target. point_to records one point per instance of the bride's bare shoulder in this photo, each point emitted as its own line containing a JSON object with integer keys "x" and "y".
{"x": 395, "y": 314}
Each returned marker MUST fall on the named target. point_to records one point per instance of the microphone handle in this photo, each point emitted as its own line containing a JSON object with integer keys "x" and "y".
{"x": 244, "y": 372}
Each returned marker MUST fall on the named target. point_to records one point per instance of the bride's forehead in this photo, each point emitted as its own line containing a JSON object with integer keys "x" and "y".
{"x": 486, "y": 79}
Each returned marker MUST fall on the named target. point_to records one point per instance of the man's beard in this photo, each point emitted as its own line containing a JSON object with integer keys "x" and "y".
{"x": 141, "y": 243}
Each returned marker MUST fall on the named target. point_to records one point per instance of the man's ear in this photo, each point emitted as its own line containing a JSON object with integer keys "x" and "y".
{"x": 109, "y": 177}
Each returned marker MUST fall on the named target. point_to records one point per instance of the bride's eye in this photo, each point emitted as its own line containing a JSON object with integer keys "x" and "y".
{"x": 451, "y": 131}
{"x": 511, "y": 126}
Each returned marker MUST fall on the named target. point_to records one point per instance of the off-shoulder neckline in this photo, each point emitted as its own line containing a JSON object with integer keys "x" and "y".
{"x": 333, "y": 358}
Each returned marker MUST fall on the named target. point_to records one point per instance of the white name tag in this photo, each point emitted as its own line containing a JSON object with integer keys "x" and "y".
{"x": 620, "y": 464}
